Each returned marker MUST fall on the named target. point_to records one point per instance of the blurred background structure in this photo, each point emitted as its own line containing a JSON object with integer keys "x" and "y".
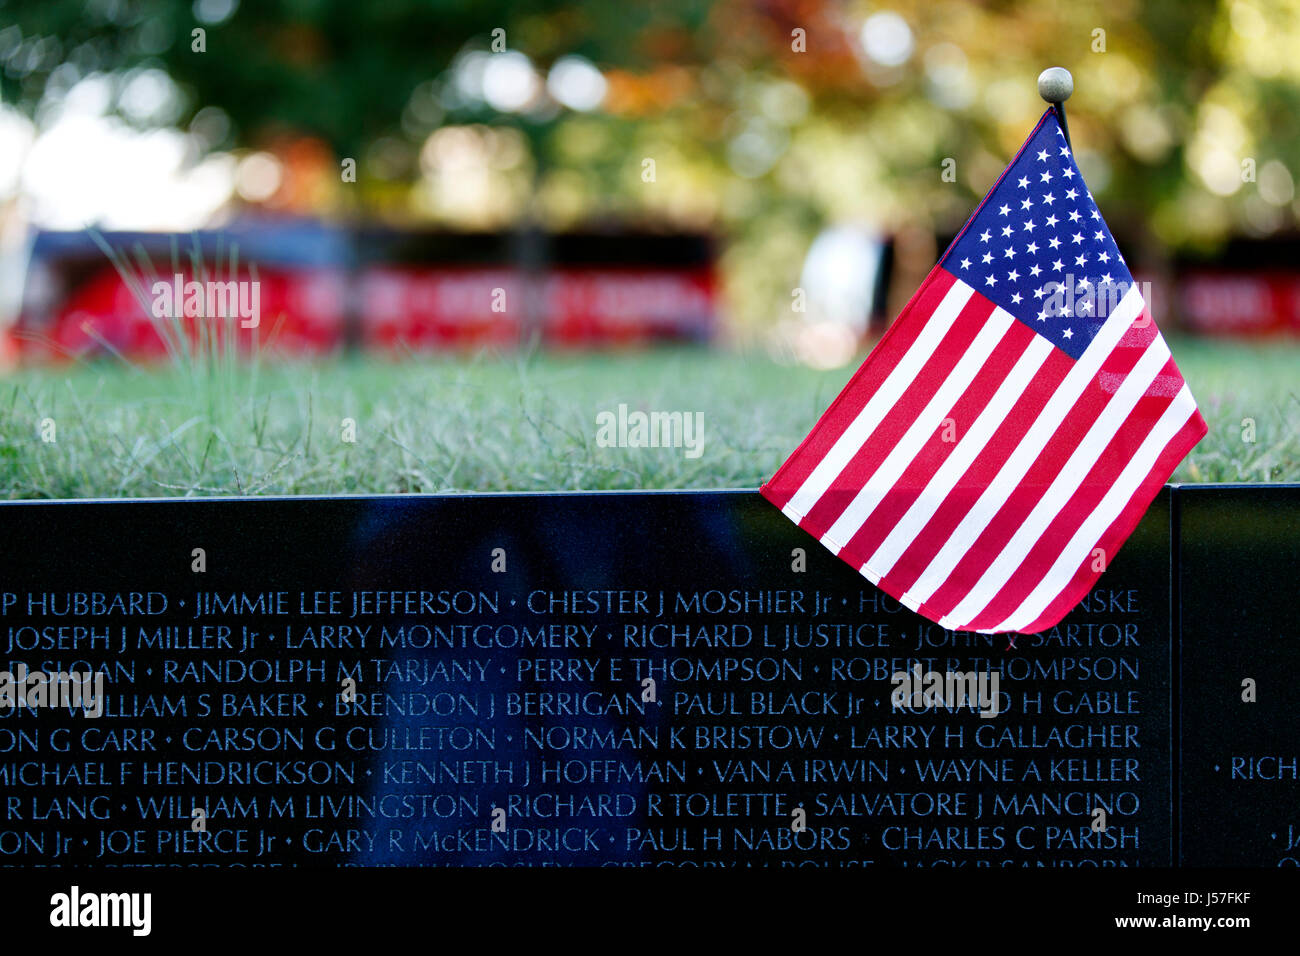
{"x": 780, "y": 173}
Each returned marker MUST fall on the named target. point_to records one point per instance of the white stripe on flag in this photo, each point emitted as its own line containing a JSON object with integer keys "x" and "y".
{"x": 967, "y": 450}
{"x": 1030, "y": 446}
{"x": 1103, "y": 516}
{"x": 1064, "y": 485}
{"x": 867, "y": 420}
{"x": 945, "y": 396}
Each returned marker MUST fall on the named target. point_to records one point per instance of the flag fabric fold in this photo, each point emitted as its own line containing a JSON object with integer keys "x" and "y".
{"x": 1005, "y": 436}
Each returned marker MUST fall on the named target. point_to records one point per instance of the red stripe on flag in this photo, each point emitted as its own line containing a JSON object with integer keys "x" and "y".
{"x": 917, "y": 556}
{"x": 1085, "y": 577}
{"x": 935, "y": 451}
{"x": 899, "y": 418}
{"x": 1030, "y": 489}
{"x": 864, "y": 383}
{"x": 1110, "y": 464}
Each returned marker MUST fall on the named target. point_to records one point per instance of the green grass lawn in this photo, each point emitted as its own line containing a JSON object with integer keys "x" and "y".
{"x": 514, "y": 422}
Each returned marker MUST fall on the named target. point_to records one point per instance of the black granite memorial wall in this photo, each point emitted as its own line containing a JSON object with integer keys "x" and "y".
{"x": 632, "y": 679}
{"x": 1238, "y": 563}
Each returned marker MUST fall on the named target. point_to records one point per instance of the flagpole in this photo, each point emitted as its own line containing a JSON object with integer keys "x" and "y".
{"x": 1055, "y": 85}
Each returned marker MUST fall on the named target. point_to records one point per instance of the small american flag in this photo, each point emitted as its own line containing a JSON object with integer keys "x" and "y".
{"x": 1005, "y": 436}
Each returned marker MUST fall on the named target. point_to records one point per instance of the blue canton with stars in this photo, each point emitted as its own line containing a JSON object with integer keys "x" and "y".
{"x": 1039, "y": 248}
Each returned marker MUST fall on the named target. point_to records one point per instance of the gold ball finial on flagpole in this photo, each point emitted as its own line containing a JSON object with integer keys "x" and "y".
{"x": 1055, "y": 84}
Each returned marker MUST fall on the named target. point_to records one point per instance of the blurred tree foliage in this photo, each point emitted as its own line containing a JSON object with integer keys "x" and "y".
{"x": 766, "y": 119}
